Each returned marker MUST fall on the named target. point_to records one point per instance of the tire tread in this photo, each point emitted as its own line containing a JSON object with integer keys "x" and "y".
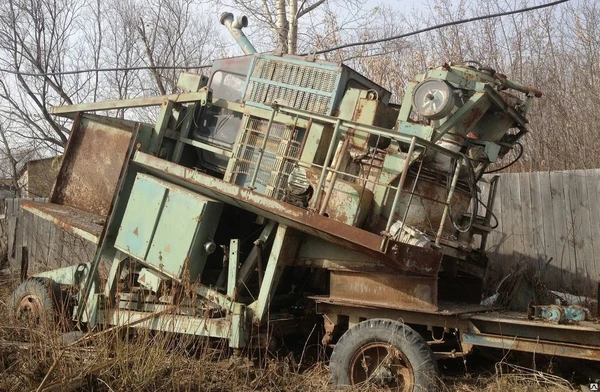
{"x": 375, "y": 330}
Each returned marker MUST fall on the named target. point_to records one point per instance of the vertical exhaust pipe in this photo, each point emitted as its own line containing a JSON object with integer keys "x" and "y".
{"x": 235, "y": 26}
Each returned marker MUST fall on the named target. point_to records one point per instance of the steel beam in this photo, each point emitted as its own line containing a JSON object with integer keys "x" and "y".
{"x": 250, "y": 263}
{"x": 190, "y": 325}
{"x": 232, "y": 267}
{"x": 537, "y": 346}
{"x": 284, "y": 245}
{"x": 184, "y": 132}
{"x": 113, "y": 276}
{"x": 202, "y": 96}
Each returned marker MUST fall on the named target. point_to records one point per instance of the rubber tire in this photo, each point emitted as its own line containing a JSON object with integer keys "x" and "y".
{"x": 46, "y": 290}
{"x": 404, "y": 338}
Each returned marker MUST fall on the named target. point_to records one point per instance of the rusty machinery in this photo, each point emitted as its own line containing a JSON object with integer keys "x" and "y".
{"x": 283, "y": 179}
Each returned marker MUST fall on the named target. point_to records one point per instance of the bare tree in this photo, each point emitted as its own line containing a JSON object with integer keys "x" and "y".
{"x": 46, "y": 37}
{"x": 295, "y": 25}
{"x": 172, "y": 32}
{"x": 35, "y": 37}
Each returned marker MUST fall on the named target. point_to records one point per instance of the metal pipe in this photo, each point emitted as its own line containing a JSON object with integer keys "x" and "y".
{"x": 403, "y": 176}
{"x": 235, "y": 26}
{"x": 412, "y": 193}
{"x": 448, "y": 200}
{"x": 334, "y": 176}
{"x": 332, "y": 144}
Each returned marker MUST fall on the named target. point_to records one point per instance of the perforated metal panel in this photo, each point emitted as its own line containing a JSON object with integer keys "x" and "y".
{"x": 307, "y": 86}
{"x": 281, "y": 153}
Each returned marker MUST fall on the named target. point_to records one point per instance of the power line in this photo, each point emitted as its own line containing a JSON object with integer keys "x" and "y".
{"x": 370, "y": 42}
{"x": 462, "y": 21}
{"x": 80, "y": 71}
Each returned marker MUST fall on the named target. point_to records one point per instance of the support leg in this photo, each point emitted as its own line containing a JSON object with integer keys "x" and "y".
{"x": 284, "y": 247}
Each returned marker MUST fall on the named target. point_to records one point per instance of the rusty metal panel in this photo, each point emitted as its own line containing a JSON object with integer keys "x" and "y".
{"x": 400, "y": 256}
{"x": 92, "y": 164}
{"x": 385, "y": 289}
{"x": 517, "y": 324}
{"x": 512, "y": 343}
{"x": 83, "y": 224}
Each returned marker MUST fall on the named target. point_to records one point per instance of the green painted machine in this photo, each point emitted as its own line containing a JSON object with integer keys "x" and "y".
{"x": 285, "y": 186}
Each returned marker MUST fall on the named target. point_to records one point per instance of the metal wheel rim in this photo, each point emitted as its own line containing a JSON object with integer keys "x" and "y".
{"x": 30, "y": 308}
{"x": 382, "y": 364}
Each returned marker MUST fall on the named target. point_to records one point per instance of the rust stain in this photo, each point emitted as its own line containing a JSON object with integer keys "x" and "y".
{"x": 385, "y": 289}
{"x": 474, "y": 115}
{"x": 91, "y": 166}
{"x": 67, "y": 218}
{"x": 408, "y": 258}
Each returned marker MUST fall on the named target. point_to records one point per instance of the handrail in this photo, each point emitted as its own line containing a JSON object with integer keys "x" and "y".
{"x": 347, "y": 124}
{"x": 341, "y": 128}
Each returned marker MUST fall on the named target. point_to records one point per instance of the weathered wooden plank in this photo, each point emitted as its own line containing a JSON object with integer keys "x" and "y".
{"x": 593, "y": 196}
{"x": 68, "y": 248}
{"x": 28, "y": 240}
{"x": 80, "y": 252}
{"x": 11, "y": 219}
{"x": 559, "y": 217}
{"x": 54, "y": 257}
{"x": 511, "y": 203}
{"x": 24, "y": 228}
{"x": 50, "y": 256}
{"x": 539, "y": 251}
{"x": 573, "y": 270}
{"x": 49, "y": 228}
{"x": 33, "y": 242}
{"x": 44, "y": 243}
{"x": 526, "y": 207}
{"x": 18, "y": 247}
{"x": 583, "y": 231}
{"x": 495, "y": 239}
{"x": 505, "y": 246}
{"x": 552, "y": 262}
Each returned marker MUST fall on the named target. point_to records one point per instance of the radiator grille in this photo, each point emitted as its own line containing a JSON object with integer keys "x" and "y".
{"x": 281, "y": 153}
{"x": 299, "y": 86}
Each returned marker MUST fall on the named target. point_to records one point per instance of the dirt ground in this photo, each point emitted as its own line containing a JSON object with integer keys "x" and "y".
{"x": 149, "y": 362}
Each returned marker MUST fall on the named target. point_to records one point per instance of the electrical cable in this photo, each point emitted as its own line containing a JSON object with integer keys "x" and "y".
{"x": 474, "y": 199}
{"x": 510, "y": 164}
{"x": 439, "y": 26}
{"x": 370, "y": 42}
{"x": 89, "y": 70}
{"x": 491, "y": 213}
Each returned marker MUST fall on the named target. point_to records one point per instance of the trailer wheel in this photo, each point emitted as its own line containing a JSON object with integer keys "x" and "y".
{"x": 385, "y": 353}
{"x": 36, "y": 300}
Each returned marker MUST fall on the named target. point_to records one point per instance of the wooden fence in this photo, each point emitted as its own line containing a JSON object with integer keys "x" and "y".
{"x": 44, "y": 245}
{"x": 550, "y": 220}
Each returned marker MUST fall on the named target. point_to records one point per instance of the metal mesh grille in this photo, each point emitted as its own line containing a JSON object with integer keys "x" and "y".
{"x": 288, "y": 77}
{"x": 281, "y": 153}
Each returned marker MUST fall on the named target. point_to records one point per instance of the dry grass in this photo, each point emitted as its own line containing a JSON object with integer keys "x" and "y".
{"x": 149, "y": 362}
{"x": 511, "y": 378}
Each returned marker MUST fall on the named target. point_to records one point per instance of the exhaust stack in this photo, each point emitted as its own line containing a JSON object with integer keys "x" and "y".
{"x": 235, "y": 26}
